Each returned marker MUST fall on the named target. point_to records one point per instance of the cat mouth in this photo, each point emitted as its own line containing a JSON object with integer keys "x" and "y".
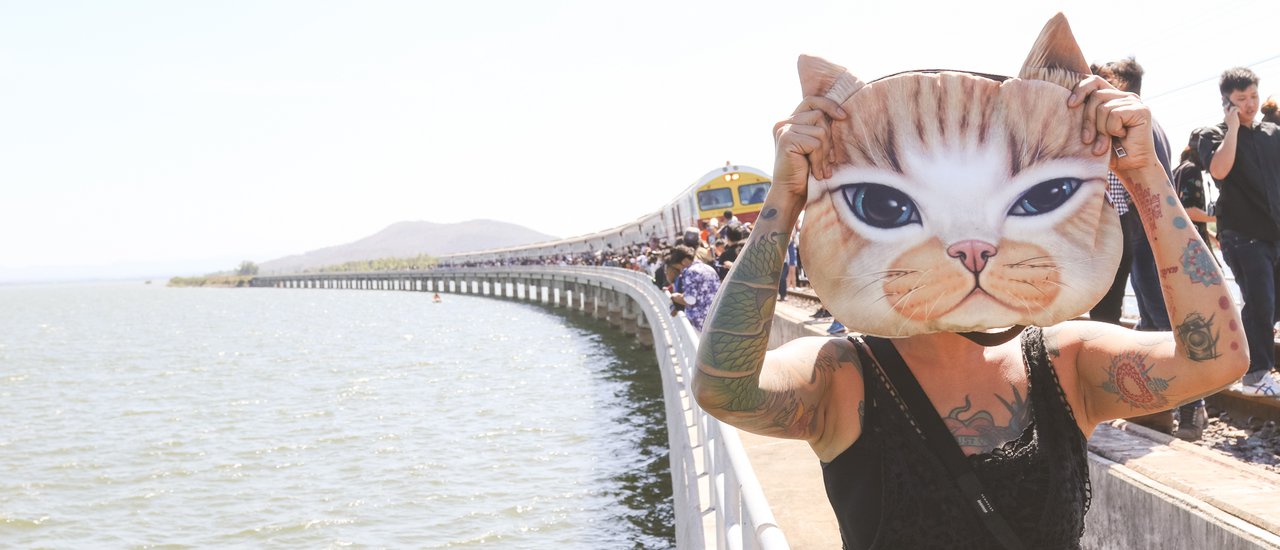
{"x": 977, "y": 294}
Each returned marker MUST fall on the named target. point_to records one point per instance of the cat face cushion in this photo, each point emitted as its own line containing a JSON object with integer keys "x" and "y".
{"x": 960, "y": 202}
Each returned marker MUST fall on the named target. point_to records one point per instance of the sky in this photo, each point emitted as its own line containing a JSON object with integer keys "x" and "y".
{"x": 175, "y": 138}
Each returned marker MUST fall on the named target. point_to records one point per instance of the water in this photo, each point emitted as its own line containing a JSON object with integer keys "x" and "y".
{"x": 140, "y": 415}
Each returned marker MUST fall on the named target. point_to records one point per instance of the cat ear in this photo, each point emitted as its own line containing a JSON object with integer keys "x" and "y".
{"x": 1056, "y": 57}
{"x": 824, "y": 78}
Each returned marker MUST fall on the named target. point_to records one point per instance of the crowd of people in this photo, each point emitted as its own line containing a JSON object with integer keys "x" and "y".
{"x": 689, "y": 267}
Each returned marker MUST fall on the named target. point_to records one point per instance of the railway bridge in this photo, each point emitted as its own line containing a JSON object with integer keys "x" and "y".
{"x": 1149, "y": 490}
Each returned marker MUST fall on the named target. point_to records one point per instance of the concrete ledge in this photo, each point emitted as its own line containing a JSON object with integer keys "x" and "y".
{"x": 791, "y": 322}
{"x": 1185, "y": 496}
{"x": 1131, "y": 510}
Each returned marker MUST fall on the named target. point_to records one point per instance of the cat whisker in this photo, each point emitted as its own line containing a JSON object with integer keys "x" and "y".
{"x": 1031, "y": 259}
{"x": 1032, "y": 285}
{"x": 903, "y": 326}
{"x": 866, "y": 286}
{"x": 905, "y": 319}
{"x": 880, "y": 276}
{"x": 1044, "y": 262}
{"x": 1080, "y": 261}
{"x": 887, "y": 272}
{"x": 1055, "y": 266}
{"x": 929, "y": 313}
{"x": 1051, "y": 267}
{"x": 905, "y": 296}
{"x": 1025, "y": 306}
{"x": 886, "y": 296}
{"x": 1059, "y": 283}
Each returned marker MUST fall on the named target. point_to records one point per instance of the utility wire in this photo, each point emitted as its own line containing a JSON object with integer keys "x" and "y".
{"x": 1202, "y": 81}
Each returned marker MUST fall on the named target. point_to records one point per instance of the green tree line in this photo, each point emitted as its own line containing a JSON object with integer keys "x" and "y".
{"x": 241, "y": 275}
{"x": 421, "y": 261}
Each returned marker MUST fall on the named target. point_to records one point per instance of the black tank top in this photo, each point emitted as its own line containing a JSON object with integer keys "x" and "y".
{"x": 889, "y": 491}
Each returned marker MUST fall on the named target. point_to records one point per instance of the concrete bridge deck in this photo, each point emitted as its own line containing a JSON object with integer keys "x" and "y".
{"x": 1150, "y": 490}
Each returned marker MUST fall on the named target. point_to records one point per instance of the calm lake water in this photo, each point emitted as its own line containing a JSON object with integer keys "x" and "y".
{"x": 138, "y": 415}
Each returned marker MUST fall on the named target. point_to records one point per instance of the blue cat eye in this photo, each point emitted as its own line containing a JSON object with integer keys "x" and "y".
{"x": 880, "y": 205}
{"x": 1045, "y": 196}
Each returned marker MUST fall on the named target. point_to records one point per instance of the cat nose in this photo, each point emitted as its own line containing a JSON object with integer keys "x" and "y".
{"x": 972, "y": 253}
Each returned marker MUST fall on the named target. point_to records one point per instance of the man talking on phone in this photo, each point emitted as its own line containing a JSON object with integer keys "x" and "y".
{"x": 1243, "y": 156}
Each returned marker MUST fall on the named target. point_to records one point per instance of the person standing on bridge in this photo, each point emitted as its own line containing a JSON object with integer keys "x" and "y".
{"x": 942, "y": 208}
{"x": 697, "y": 284}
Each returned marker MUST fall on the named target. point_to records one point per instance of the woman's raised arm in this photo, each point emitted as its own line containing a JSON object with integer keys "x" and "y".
{"x": 1123, "y": 373}
{"x": 797, "y": 391}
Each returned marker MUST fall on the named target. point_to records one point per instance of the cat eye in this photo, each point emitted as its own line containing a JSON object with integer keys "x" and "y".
{"x": 880, "y": 205}
{"x": 1045, "y": 196}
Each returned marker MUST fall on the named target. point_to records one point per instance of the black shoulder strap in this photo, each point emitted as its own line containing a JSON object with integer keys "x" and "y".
{"x": 940, "y": 440}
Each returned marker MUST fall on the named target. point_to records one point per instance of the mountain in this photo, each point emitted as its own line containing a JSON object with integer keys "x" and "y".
{"x": 407, "y": 239}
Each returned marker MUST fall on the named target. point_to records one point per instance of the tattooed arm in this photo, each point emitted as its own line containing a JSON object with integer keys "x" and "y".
{"x": 808, "y": 389}
{"x": 1122, "y": 373}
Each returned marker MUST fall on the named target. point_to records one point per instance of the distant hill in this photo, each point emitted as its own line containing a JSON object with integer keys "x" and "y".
{"x": 405, "y": 239}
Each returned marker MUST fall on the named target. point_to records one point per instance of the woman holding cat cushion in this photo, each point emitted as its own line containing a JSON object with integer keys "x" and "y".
{"x": 943, "y": 208}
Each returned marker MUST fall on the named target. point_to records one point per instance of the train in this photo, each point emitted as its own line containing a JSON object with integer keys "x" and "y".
{"x": 736, "y": 188}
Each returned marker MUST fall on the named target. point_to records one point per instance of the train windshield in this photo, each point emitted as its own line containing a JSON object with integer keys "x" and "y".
{"x": 753, "y": 193}
{"x": 712, "y": 199}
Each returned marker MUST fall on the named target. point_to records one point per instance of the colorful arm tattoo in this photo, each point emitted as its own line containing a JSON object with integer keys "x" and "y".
{"x": 1129, "y": 379}
{"x": 736, "y": 336}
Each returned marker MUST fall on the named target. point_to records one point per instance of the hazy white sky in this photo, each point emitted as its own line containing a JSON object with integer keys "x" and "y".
{"x": 178, "y": 137}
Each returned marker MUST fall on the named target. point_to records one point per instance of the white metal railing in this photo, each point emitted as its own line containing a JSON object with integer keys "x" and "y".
{"x": 717, "y": 499}
{"x": 743, "y": 517}
{"x": 711, "y": 475}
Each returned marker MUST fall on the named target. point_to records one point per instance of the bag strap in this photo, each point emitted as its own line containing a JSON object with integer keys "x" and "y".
{"x": 990, "y": 339}
{"x": 939, "y": 439}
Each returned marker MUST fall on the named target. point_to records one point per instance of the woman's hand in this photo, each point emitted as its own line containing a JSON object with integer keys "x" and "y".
{"x": 1115, "y": 122}
{"x": 803, "y": 144}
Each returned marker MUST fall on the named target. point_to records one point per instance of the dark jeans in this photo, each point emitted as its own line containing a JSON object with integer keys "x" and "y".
{"x": 1144, "y": 277}
{"x": 1108, "y": 308}
{"x": 1254, "y": 263}
{"x": 782, "y": 285}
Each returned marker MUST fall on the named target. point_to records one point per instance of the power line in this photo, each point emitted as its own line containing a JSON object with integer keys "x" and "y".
{"x": 1202, "y": 81}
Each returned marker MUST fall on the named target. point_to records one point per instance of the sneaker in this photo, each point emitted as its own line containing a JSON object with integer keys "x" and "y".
{"x": 836, "y": 328}
{"x": 1267, "y": 386}
{"x": 822, "y": 313}
{"x": 1191, "y": 423}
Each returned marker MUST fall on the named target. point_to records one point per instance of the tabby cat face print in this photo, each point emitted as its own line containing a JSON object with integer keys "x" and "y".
{"x": 960, "y": 202}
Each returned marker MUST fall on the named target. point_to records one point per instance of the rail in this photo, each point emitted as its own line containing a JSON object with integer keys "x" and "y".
{"x": 717, "y": 499}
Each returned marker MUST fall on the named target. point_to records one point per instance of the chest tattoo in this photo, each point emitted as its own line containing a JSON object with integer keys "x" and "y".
{"x": 978, "y": 429}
